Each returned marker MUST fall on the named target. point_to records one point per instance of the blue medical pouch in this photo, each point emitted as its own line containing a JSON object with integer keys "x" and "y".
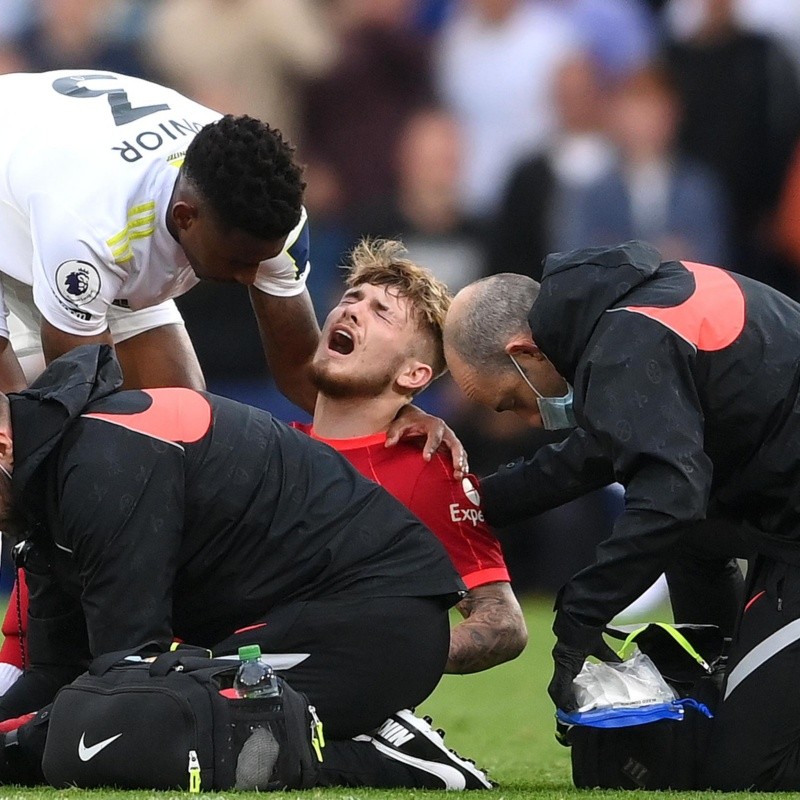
{"x": 658, "y": 746}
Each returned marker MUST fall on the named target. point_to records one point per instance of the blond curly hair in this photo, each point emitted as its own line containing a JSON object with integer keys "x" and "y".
{"x": 384, "y": 262}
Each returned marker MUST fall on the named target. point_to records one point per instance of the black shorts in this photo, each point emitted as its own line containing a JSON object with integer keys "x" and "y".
{"x": 366, "y": 658}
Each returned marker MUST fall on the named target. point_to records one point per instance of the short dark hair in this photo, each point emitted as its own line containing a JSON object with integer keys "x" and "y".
{"x": 496, "y": 310}
{"x": 245, "y": 170}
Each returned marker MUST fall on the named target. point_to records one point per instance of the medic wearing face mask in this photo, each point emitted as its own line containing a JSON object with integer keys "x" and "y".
{"x": 687, "y": 393}
{"x": 556, "y": 412}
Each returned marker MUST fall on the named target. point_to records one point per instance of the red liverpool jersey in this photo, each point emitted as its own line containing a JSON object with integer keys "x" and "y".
{"x": 450, "y": 508}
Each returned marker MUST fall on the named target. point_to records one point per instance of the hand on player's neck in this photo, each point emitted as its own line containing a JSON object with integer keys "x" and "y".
{"x": 347, "y": 418}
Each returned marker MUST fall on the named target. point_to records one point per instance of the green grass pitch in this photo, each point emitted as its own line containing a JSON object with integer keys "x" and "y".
{"x": 502, "y": 718}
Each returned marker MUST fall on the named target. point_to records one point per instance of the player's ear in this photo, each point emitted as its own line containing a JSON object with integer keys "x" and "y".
{"x": 414, "y": 376}
{"x": 183, "y": 214}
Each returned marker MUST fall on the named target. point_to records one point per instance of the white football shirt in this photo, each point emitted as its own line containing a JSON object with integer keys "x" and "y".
{"x": 88, "y": 162}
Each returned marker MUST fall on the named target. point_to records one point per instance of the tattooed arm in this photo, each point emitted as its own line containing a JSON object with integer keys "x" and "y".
{"x": 493, "y": 630}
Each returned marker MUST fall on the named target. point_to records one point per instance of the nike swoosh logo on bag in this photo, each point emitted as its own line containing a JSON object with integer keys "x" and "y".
{"x": 87, "y": 753}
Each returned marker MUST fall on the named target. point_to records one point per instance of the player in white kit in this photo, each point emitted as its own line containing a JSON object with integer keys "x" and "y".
{"x": 116, "y": 195}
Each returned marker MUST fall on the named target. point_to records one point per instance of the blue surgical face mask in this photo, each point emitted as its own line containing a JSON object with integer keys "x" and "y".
{"x": 557, "y": 412}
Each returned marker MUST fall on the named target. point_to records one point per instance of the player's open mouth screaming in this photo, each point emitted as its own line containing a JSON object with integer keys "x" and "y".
{"x": 341, "y": 341}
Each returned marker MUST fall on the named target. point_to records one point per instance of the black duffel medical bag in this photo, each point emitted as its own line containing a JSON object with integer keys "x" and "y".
{"x": 166, "y": 724}
{"x": 661, "y": 754}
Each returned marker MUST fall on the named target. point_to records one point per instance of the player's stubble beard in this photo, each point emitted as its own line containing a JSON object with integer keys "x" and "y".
{"x": 352, "y": 387}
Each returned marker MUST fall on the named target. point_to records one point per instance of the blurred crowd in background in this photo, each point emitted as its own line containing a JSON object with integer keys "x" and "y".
{"x": 484, "y": 134}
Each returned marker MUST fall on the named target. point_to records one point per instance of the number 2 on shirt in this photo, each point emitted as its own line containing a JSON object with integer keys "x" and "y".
{"x": 121, "y": 109}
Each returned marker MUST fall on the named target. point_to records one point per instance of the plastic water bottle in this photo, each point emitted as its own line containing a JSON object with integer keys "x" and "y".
{"x": 254, "y": 678}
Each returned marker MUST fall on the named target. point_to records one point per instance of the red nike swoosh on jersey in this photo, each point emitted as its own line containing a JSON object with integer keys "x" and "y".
{"x": 712, "y": 318}
{"x": 175, "y": 415}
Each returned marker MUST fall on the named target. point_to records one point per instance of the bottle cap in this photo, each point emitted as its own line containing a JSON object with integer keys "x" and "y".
{"x": 249, "y": 652}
